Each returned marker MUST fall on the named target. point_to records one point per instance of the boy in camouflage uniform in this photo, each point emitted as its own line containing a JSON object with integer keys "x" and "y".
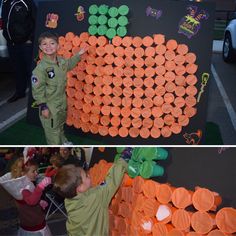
{"x": 48, "y": 87}
{"x": 87, "y": 206}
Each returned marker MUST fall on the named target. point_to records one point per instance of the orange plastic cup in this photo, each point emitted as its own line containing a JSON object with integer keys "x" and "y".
{"x": 192, "y": 233}
{"x": 123, "y": 132}
{"x": 134, "y": 132}
{"x": 155, "y": 132}
{"x": 175, "y": 232}
{"x": 216, "y": 232}
{"x": 205, "y": 200}
{"x": 150, "y": 52}
{"x": 169, "y": 55}
{"x": 116, "y": 41}
{"x": 166, "y": 131}
{"x": 191, "y": 79}
{"x": 149, "y": 206}
{"x": 137, "y": 122}
{"x": 160, "y": 49}
{"x": 180, "y": 80}
{"x": 116, "y": 101}
{"x": 159, "y": 229}
{"x": 158, "y": 38}
{"x": 115, "y": 120}
{"x": 176, "y": 128}
{"x": 127, "y": 181}
{"x": 226, "y": 220}
{"x": 138, "y": 184}
{"x": 181, "y": 197}
{"x": 85, "y": 127}
{"x": 160, "y": 60}
{"x": 147, "y": 102}
{"x": 171, "y": 44}
{"x": 202, "y": 222}
{"x": 147, "y": 41}
{"x": 149, "y": 188}
{"x": 181, "y": 219}
{"x": 182, "y": 49}
{"x": 119, "y": 51}
{"x": 147, "y": 123}
{"x": 137, "y": 41}
{"x": 106, "y": 100}
{"x": 103, "y": 130}
{"x": 164, "y": 193}
{"x": 126, "y": 122}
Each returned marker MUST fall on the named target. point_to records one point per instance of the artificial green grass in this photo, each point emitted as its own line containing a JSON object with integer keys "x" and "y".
{"x": 213, "y": 135}
{"x": 23, "y": 133}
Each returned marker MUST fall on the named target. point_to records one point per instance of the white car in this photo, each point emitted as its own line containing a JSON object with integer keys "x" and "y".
{"x": 3, "y": 43}
{"x": 229, "y": 45}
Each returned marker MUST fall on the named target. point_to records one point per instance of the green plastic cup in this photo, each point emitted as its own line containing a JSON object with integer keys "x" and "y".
{"x": 113, "y": 12}
{"x": 93, "y": 20}
{"x": 102, "y": 20}
{"x": 150, "y": 169}
{"x": 120, "y": 149}
{"x": 112, "y": 22}
{"x": 111, "y": 33}
{"x": 103, "y": 9}
{"x": 149, "y": 154}
{"x": 102, "y": 29}
{"x": 161, "y": 154}
{"x": 121, "y": 31}
{"x": 122, "y": 20}
{"x": 123, "y": 10}
{"x": 133, "y": 168}
{"x": 136, "y": 154}
{"x": 93, "y": 9}
{"x": 93, "y": 30}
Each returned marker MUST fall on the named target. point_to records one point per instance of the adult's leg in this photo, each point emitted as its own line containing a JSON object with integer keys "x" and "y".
{"x": 21, "y": 58}
{"x": 27, "y": 54}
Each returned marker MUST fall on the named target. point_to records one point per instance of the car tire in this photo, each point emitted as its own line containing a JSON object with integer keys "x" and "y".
{"x": 228, "y": 53}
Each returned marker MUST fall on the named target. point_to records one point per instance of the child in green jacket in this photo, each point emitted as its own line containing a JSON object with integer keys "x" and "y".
{"x": 87, "y": 206}
{"x": 48, "y": 87}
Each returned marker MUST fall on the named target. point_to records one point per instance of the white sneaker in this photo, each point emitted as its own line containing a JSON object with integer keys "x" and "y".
{"x": 68, "y": 143}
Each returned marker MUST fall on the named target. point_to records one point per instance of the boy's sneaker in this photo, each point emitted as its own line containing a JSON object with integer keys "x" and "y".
{"x": 68, "y": 143}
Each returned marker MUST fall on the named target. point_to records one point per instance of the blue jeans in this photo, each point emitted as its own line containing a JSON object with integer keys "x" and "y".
{"x": 21, "y": 59}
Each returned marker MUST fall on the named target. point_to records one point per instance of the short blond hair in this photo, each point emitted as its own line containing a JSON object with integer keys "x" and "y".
{"x": 19, "y": 168}
{"x": 66, "y": 181}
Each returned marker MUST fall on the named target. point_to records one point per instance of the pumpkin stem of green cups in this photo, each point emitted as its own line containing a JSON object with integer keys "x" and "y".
{"x": 108, "y": 21}
{"x": 123, "y": 10}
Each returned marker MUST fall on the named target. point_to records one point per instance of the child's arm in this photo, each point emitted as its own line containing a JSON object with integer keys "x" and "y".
{"x": 50, "y": 171}
{"x": 33, "y": 198}
{"x": 38, "y": 90}
{"x": 113, "y": 180}
{"x": 72, "y": 62}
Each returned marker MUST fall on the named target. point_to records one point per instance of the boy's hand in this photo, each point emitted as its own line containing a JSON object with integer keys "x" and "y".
{"x": 45, "y": 113}
{"x": 83, "y": 50}
{"x": 126, "y": 154}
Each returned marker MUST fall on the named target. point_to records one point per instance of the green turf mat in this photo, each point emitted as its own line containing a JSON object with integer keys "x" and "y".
{"x": 213, "y": 135}
{"x": 23, "y": 133}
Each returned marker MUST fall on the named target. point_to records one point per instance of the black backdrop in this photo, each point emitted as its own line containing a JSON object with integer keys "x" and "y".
{"x": 141, "y": 25}
{"x": 212, "y": 168}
